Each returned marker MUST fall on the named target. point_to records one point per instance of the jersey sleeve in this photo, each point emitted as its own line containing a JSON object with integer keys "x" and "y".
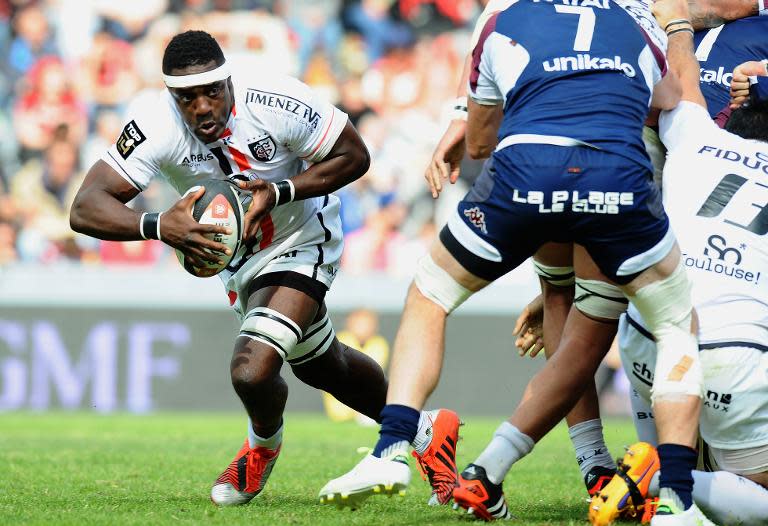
{"x": 653, "y": 60}
{"x": 491, "y": 8}
{"x": 482, "y": 85}
{"x": 136, "y": 152}
{"x": 687, "y": 121}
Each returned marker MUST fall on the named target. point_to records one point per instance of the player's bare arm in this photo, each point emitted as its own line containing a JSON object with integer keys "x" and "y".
{"x": 347, "y": 161}
{"x": 711, "y": 13}
{"x": 667, "y": 93}
{"x": 99, "y": 210}
{"x": 674, "y": 17}
{"x": 482, "y": 127}
{"x": 446, "y": 159}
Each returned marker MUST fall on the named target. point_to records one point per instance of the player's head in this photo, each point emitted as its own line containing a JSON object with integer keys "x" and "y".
{"x": 196, "y": 73}
{"x": 750, "y": 121}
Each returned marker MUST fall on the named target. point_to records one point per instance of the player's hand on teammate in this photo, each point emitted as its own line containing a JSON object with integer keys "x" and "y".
{"x": 666, "y": 11}
{"x": 446, "y": 159}
{"x": 529, "y": 328}
{"x": 740, "y": 81}
{"x": 180, "y": 230}
{"x": 263, "y": 200}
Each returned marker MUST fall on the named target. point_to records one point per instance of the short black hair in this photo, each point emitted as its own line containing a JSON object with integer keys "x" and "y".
{"x": 750, "y": 121}
{"x": 191, "y": 48}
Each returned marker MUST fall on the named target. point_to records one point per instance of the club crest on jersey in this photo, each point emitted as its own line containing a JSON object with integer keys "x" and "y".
{"x": 477, "y": 218}
{"x": 129, "y": 139}
{"x": 263, "y": 149}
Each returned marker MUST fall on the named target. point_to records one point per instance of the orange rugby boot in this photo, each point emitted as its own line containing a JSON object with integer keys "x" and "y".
{"x": 245, "y": 477}
{"x": 624, "y": 496}
{"x": 479, "y": 496}
{"x": 438, "y": 462}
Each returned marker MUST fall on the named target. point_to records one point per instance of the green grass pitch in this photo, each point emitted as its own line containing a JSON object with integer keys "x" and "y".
{"x": 84, "y": 469}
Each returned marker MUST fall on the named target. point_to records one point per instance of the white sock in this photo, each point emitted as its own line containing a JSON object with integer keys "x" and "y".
{"x": 508, "y": 445}
{"x": 726, "y": 498}
{"x": 272, "y": 442}
{"x": 589, "y": 443}
{"x": 424, "y": 433}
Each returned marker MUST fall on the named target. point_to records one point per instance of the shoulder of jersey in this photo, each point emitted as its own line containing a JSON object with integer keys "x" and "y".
{"x": 278, "y": 83}
{"x": 153, "y": 107}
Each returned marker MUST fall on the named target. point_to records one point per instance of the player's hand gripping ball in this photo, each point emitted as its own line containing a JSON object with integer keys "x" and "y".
{"x": 219, "y": 205}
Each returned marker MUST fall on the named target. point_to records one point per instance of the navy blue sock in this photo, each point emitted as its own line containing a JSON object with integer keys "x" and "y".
{"x": 677, "y": 463}
{"x": 398, "y": 423}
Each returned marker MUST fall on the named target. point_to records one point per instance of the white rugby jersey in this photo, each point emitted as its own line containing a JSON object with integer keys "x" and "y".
{"x": 716, "y": 196}
{"x": 277, "y": 126}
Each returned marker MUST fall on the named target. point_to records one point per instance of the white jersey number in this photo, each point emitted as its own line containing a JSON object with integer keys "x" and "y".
{"x": 724, "y": 192}
{"x": 586, "y": 27}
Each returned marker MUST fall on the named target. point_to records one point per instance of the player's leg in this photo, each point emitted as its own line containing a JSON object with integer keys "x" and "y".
{"x": 275, "y": 320}
{"x": 627, "y": 492}
{"x": 417, "y": 358}
{"x": 551, "y": 393}
{"x": 325, "y": 363}
{"x": 356, "y": 380}
{"x": 634, "y": 246}
{"x": 661, "y": 295}
{"x": 727, "y": 497}
{"x": 734, "y": 425}
{"x": 553, "y": 263}
{"x": 475, "y": 248}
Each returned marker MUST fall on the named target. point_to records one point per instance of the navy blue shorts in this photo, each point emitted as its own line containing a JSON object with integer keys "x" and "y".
{"x": 530, "y": 194}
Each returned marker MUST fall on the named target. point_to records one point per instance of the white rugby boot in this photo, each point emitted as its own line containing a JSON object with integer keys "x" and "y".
{"x": 693, "y": 516}
{"x": 371, "y": 476}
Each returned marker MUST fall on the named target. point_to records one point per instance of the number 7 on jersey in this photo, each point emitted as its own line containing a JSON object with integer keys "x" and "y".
{"x": 586, "y": 27}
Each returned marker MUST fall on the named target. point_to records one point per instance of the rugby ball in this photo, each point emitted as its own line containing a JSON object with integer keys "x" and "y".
{"x": 219, "y": 205}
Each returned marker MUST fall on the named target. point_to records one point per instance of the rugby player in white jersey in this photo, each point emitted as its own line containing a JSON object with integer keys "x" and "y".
{"x": 288, "y": 150}
{"x": 716, "y": 194}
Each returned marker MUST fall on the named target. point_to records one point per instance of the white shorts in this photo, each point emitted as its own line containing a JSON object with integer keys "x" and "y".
{"x": 734, "y": 412}
{"x": 313, "y": 249}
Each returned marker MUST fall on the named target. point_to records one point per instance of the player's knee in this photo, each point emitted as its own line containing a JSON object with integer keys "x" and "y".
{"x": 600, "y": 300}
{"x": 562, "y": 277}
{"x": 266, "y": 339}
{"x": 666, "y": 307}
{"x": 271, "y": 328}
{"x": 438, "y": 286}
{"x": 254, "y": 365}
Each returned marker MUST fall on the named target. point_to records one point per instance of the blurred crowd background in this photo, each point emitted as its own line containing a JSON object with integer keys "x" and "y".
{"x": 68, "y": 68}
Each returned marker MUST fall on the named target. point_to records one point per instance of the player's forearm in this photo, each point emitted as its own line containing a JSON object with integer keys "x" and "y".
{"x": 683, "y": 63}
{"x": 482, "y": 129}
{"x": 711, "y": 13}
{"x": 98, "y": 214}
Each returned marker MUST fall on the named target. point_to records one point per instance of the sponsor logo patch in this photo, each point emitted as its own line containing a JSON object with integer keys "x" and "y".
{"x": 477, "y": 218}
{"x": 263, "y": 149}
{"x": 195, "y": 159}
{"x": 129, "y": 139}
{"x": 284, "y": 105}
{"x": 718, "y": 401}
